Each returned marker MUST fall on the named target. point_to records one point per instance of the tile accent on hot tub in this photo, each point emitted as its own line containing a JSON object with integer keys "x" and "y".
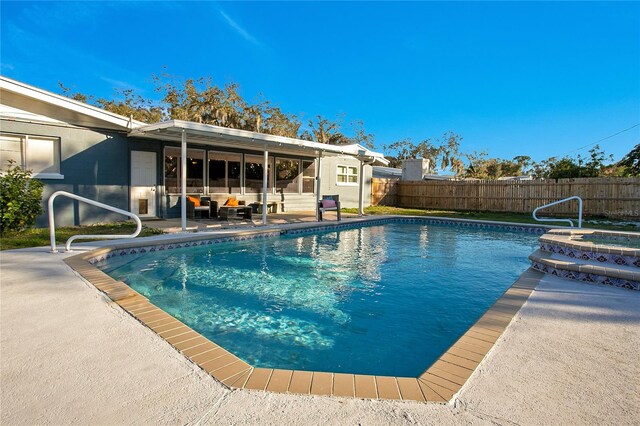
{"x": 593, "y": 255}
{"x": 586, "y": 277}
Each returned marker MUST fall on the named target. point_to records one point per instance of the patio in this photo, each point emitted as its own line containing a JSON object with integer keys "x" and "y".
{"x": 215, "y": 224}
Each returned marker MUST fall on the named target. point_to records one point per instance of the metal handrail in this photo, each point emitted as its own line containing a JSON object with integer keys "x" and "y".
{"x": 52, "y": 226}
{"x": 575, "y": 197}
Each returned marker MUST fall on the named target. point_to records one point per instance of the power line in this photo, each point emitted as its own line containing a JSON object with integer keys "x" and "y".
{"x": 603, "y": 139}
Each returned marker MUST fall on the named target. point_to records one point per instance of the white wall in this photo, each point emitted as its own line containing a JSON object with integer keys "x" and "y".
{"x": 349, "y": 195}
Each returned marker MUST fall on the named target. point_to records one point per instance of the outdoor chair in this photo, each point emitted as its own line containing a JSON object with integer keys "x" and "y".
{"x": 329, "y": 203}
{"x": 200, "y": 206}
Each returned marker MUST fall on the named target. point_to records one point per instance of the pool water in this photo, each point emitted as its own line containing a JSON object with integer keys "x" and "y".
{"x": 381, "y": 300}
{"x": 633, "y": 243}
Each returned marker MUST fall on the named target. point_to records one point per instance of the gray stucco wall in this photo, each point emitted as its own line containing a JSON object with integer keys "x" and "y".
{"x": 349, "y": 195}
{"x": 95, "y": 164}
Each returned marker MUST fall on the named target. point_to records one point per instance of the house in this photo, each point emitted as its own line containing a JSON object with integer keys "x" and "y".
{"x": 149, "y": 169}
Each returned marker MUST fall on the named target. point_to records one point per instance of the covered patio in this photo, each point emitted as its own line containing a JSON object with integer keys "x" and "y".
{"x": 189, "y": 134}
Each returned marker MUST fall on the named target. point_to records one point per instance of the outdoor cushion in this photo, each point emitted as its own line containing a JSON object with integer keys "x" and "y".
{"x": 194, "y": 200}
{"x": 231, "y": 202}
{"x": 328, "y": 204}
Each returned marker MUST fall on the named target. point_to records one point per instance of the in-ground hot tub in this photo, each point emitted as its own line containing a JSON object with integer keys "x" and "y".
{"x": 601, "y": 257}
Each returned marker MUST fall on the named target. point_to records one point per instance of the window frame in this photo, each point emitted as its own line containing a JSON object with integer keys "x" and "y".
{"x": 24, "y": 148}
{"x": 240, "y": 156}
{"x": 298, "y": 176}
{"x": 347, "y": 175}
{"x": 205, "y": 177}
{"x": 270, "y": 173}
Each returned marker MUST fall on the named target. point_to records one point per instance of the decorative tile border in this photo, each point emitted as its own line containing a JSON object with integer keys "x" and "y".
{"x": 533, "y": 229}
{"x": 590, "y": 255}
{"x": 439, "y": 383}
{"x": 105, "y": 254}
{"x": 586, "y": 277}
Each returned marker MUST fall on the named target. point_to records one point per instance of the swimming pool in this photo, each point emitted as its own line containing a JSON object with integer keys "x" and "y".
{"x": 385, "y": 300}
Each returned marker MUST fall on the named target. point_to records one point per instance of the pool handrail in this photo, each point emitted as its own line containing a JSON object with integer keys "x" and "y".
{"x": 542, "y": 219}
{"x": 52, "y": 226}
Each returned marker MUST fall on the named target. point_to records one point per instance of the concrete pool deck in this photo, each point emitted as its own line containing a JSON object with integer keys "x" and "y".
{"x": 70, "y": 355}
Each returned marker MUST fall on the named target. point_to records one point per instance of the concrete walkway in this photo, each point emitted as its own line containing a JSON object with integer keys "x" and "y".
{"x": 69, "y": 355}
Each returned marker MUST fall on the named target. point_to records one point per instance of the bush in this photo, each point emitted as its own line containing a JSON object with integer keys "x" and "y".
{"x": 20, "y": 199}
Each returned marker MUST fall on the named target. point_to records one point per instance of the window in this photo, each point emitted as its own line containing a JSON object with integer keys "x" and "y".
{"x": 173, "y": 171}
{"x": 41, "y": 155}
{"x": 253, "y": 174}
{"x": 287, "y": 176}
{"x": 224, "y": 172}
{"x": 347, "y": 175}
{"x": 308, "y": 176}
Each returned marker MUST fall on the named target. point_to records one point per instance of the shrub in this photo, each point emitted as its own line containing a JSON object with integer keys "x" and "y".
{"x": 20, "y": 199}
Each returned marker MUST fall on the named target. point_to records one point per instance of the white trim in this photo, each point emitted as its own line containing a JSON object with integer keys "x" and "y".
{"x": 67, "y": 103}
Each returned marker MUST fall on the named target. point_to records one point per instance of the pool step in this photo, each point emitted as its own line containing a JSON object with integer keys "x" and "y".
{"x": 586, "y": 270}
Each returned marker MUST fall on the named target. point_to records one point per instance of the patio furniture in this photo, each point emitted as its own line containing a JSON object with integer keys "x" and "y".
{"x": 272, "y": 207}
{"x": 235, "y": 212}
{"x": 329, "y": 203}
{"x": 204, "y": 208}
{"x": 235, "y": 209}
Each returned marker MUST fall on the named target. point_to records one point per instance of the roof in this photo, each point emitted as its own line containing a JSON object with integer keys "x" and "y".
{"x": 208, "y": 134}
{"x": 433, "y": 176}
{"x": 386, "y": 172}
{"x": 39, "y": 102}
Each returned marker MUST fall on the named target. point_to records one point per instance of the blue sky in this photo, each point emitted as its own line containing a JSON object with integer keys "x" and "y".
{"x": 536, "y": 79}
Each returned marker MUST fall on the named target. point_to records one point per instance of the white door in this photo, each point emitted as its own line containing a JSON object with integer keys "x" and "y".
{"x": 143, "y": 183}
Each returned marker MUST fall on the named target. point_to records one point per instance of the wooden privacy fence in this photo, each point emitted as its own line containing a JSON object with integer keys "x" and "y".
{"x": 610, "y": 197}
{"x": 384, "y": 191}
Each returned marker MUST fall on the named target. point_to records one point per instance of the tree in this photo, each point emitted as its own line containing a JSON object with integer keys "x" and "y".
{"x": 477, "y": 167}
{"x": 524, "y": 161}
{"x": 443, "y": 152}
{"x": 202, "y": 101}
{"x": 631, "y": 162}
{"x": 563, "y": 169}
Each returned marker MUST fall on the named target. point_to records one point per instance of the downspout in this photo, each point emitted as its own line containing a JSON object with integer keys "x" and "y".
{"x": 183, "y": 177}
{"x": 265, "y": 179}
{"x": 361, "y": 154}
{"x": 318, "y": 182}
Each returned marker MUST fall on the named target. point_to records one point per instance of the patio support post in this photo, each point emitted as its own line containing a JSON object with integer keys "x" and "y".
{"x": 265, "y": 179}
{"x": 361, "y": 189}
{"x": 183, "y": 182}
{"x": 318, "y": 186}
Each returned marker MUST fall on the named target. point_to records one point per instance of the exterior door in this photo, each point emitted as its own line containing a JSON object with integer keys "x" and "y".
{"x": 143, "y": 183}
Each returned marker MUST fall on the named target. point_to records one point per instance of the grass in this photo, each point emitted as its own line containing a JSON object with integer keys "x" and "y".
{"x": 594, "y": 223}
{"x": 38, "y": 237}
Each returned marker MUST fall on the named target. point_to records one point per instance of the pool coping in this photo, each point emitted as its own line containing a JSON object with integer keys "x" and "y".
{"x": 439, "y": 383}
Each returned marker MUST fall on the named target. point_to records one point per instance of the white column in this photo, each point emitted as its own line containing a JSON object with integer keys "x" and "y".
{"x": 265, "y": 179}
{"x": 183, "y": 182}
{"x": 319, "y": 165}
{"x": 361, "y": 197}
